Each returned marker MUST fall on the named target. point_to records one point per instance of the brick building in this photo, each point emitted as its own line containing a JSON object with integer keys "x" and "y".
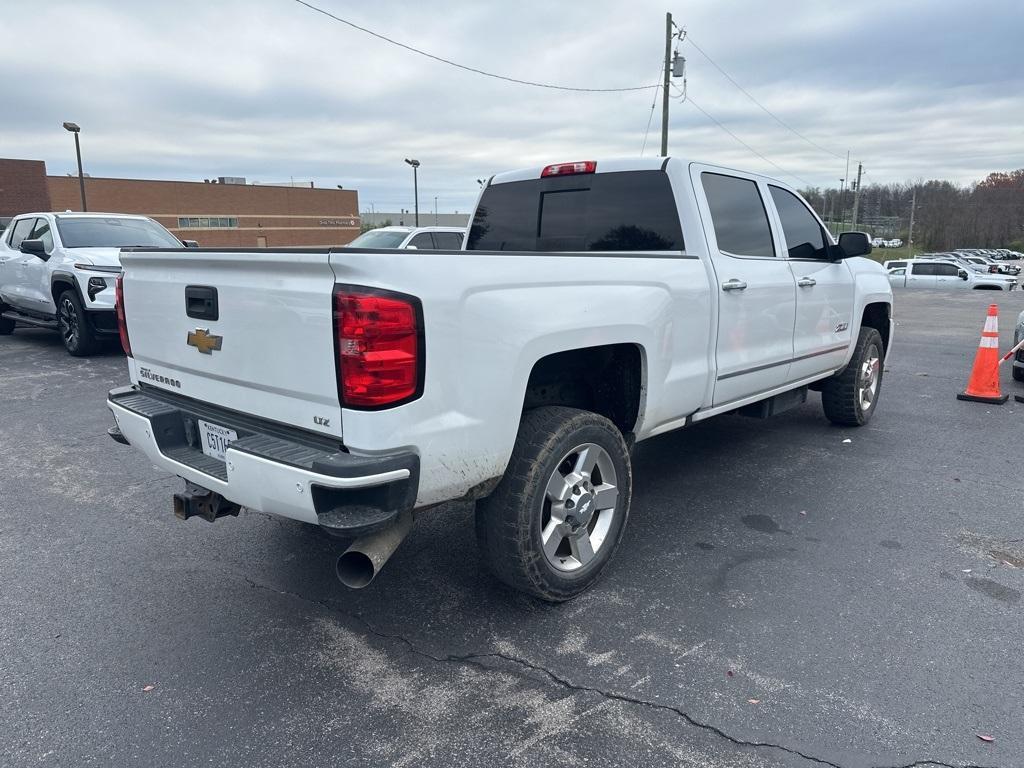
{"x": 216, "y": 214}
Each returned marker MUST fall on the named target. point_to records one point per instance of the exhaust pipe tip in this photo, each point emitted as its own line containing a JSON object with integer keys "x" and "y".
{"x": 361, "y": 562}
{"x": 355, "y": 569}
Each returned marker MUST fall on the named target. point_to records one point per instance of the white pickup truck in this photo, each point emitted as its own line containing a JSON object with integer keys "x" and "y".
{"x": 594, "y": 304}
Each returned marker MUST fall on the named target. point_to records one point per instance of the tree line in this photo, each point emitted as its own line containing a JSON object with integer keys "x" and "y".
{"x": 988, "y": 214}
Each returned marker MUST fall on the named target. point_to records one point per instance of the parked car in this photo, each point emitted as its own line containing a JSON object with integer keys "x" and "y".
{"x": 57, "y": 271}
{"x": 417, "y": 238}
{"x": 933, "y": 273}
{"x": 596, "y": 304}
{"x": 990, "y": 264}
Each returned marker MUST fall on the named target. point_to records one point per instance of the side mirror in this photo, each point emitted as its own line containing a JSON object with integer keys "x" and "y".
{"x": 963, "y": 274}
{"x": 853, "y": 244}
{"x": 36, "y": 248}
{"x": 190, "y": 243}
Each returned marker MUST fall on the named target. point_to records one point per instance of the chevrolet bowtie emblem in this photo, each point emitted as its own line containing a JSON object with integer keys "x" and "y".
{"x": 201, "y": 339}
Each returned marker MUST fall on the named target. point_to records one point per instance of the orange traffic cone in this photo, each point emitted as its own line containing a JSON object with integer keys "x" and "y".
{"x": 983, "y": 386}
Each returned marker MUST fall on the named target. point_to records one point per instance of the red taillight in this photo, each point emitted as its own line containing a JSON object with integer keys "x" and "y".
{"x": 122, "y": 323}
{"x": 569, "y": 169}
{"x": 377, "y": 337}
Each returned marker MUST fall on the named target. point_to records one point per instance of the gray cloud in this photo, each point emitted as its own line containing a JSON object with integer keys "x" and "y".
{"x": 270, "y": 90}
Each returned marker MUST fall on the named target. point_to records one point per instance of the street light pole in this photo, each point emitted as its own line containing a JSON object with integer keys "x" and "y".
{"x": 75, "y": 129}
{"x": 415, "y": 187}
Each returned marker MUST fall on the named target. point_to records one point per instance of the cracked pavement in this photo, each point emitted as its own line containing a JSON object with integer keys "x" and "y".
{"x": 865, "y": 595}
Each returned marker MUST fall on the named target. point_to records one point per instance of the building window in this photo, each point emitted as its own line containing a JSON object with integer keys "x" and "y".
{"x": 207, "y": 222}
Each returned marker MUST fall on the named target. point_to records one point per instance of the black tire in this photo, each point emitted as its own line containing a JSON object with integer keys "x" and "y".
{"x": 841, "y": 395}
{"x": 6, "y": 326}
{"x": 75, "y": 330}
{"x": 1018, "y": 374}
{"x": 509, "y": 523}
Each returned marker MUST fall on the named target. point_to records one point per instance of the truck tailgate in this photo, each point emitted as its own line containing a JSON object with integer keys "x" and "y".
{"x": 259, "y": 339}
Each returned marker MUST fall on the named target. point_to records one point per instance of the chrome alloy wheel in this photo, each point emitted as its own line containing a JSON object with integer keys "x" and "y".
{"x": 580, "y": 503}
{"x": 870, "y": 373}
{"x": 68, "y": 319}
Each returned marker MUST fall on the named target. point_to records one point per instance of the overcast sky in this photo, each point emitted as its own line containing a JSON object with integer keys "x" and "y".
{"x": 270, "y": 90}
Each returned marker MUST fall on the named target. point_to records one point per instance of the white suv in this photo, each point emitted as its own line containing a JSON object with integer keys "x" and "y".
{"x": 421, "y": 238}
{"x": 57, "y": 271}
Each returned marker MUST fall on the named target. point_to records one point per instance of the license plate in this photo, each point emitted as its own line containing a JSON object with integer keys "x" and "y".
{"x": 215, "y": 439}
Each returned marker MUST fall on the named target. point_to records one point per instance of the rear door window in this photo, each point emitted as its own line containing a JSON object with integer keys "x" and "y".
{"x": 924, "y": 269}
{"x": 623, "y": 211}
{"x": 448, "y": 241}
{"x": 804, "y": 236}
{"x": 20, "y": 231}
{"x": 738, "y": 215}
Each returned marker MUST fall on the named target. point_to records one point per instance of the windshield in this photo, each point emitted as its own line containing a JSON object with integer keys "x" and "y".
{"x": 379, "y": 238}
{"x": 100, "y": 232}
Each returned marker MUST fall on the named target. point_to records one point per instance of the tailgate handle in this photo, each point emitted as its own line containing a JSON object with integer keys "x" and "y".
{"x": 201, "y": 302}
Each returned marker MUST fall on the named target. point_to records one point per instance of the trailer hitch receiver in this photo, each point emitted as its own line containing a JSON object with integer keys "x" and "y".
{"x": 196, "y": 501}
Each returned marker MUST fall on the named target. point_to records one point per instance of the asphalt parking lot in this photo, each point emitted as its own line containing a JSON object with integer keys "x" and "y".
{"x": 781, "y": 598}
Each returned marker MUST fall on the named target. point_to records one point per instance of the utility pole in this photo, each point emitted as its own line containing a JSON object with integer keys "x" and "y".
{"x": 856, "y": 196}
{"x": 847, "y": 179}
{"x": 664, "y": 85}
{"x": 910, "y": 230}
{"x": 435, "y": 210}
{"x": 842, "y": 206}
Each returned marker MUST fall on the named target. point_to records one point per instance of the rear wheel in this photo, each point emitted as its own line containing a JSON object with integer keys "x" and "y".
{"x": 78, "y": 336}
{"x": 6, "y": 326}
{"x": 849, "y": 398}
{"x": 557, "y": 516}
{"x": 1018, "y": 374}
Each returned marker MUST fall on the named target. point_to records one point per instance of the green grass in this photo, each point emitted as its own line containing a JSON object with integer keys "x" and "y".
{"x": 888, "y": 254}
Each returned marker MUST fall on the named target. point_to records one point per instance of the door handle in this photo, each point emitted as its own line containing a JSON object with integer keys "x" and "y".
{"x": 734, "y": 285}
{"x": 806, "y": 282}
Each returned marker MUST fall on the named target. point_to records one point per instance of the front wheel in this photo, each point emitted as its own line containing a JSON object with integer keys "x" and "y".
{"x": 849, "y": 398}
{"x": 6, "y": 326}
{"x": 78, "y": 336}
{"x": 557, "y": 516}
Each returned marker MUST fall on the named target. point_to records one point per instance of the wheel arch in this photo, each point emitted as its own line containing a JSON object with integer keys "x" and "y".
{"x": 878, "y": 315}
{"x": 62, "y": 281}
{"x": 608, "y": 379}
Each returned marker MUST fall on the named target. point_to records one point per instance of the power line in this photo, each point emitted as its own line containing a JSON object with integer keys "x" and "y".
{"x": 689, "y": 100}
{"x": 650, "y": 117}
{"x": 765, "y": 109}
{"x": 443, "y": 60}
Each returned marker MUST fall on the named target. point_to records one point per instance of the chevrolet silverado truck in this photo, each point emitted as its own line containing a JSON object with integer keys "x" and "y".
{"x": 57, "y": 271}
{"x": 594, "y": 305}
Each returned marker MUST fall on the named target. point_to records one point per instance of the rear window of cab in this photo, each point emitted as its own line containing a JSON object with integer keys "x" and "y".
{"x": 622, "y": 211}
